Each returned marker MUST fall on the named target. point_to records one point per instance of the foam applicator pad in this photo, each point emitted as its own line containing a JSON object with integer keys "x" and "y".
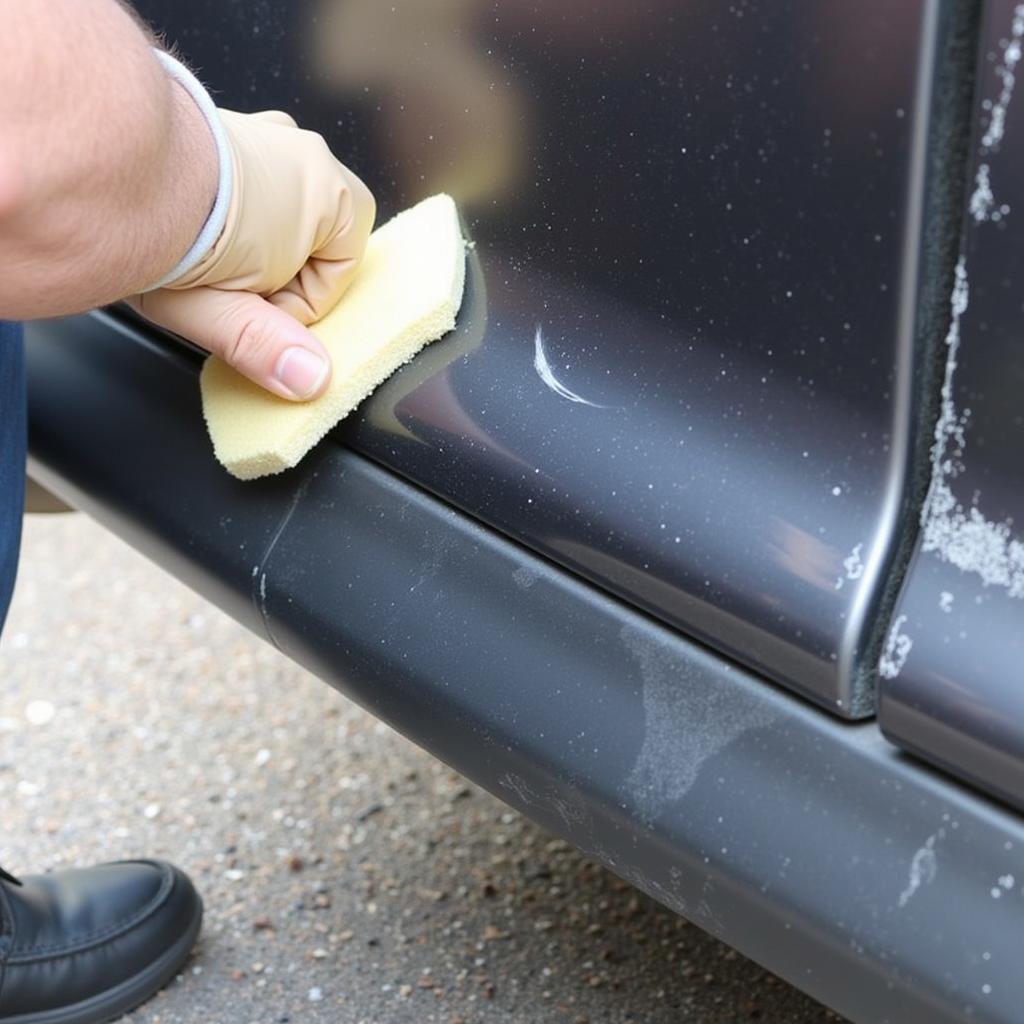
{"x": 406, "y": 294}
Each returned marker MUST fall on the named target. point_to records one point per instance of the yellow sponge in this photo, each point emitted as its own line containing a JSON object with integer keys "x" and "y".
{"x": 406, "y": 294}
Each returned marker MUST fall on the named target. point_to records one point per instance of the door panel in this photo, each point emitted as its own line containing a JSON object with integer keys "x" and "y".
{"x": 684, "y": 367}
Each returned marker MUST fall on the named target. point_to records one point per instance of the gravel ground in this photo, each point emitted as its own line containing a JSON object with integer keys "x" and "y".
{"x": 348, "y": 876}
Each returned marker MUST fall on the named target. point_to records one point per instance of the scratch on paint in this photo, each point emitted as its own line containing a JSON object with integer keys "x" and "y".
{"x": 544, "y": 371}
{"x": 259, "y": 594}
{"x": 566, "y": 802}
{"x": 520, "y": 787}
{"x": 923, "y": 867}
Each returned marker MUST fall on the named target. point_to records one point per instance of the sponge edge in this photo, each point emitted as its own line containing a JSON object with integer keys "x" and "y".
{"x": 407, "y": 293}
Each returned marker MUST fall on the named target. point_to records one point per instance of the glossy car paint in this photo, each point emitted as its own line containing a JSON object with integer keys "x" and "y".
{"x": 810, "y": 844}
{"x": 953, "y": 690}
{"x": 684, "y": 371}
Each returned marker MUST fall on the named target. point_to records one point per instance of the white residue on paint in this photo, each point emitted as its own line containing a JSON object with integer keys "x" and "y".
{"x": 1006, "y": 72}
{"x": 688, "y": 720}
{"x": 982, "y": 199}
{"x": 983, "y": 203}
{"x": 525, "y": 577}
{"x": 853, "y": 565}
{"x": 946, "y": 601}
{"x": 958, "y": 535}
{"x": 544, "y": 371}
{"x": 897, "y": 647}
{"x": 923, "y": 868}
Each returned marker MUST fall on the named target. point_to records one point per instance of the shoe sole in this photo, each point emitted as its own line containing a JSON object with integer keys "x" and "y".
{"x": 116, "y": 1002}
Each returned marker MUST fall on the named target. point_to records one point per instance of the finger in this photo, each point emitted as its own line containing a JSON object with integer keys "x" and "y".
{"x": 316, "y": 289}
{"x": 276, "y": 117}
{"x": 325, "y": 277}
{"x": 259, "y": 340}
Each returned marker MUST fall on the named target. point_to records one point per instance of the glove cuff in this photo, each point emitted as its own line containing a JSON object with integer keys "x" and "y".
{"x": 214, "y": 225}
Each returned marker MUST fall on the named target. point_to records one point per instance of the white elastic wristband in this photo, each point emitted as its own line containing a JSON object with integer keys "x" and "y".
{"x": 218, "y": 215}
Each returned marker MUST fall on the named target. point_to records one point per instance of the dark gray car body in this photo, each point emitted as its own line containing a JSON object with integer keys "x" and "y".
{"x": 627, "y": 546}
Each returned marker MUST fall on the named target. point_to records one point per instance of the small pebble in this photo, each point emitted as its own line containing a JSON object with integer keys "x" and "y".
{"x": 40, "y": 712}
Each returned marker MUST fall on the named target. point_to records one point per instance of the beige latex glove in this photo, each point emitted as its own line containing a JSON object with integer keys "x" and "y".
{"x": 295, "y": 233}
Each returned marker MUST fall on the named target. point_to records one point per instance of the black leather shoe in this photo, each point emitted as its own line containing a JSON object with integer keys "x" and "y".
{"x": 85, "y": 946}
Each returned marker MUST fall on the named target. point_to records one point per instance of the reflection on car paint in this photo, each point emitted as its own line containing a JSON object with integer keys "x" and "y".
{"x": 709, "y": 211}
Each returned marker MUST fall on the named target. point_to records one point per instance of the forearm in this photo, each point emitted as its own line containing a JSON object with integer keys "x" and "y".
{"x": 107, "y": 168}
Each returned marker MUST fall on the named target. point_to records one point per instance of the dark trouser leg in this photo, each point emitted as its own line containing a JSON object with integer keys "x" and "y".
{"x": 12, "y": 456}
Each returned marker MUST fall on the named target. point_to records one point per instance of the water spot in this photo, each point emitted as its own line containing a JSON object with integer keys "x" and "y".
{"x": 1006, "y": 74}
{"x": 687, "y": 720}
{"x": 525, "y": 577}
{"x": 946, "y": 601}
{"x": 897, "y": 647}
{"x": 853, "y": 566}
{"x": 982, "y": 199}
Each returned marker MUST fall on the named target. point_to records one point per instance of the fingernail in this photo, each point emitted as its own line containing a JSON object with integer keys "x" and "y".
{"x": 300, "y": 371}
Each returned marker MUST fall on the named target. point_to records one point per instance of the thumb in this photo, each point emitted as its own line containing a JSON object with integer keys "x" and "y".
{"x": 259, "y": 340}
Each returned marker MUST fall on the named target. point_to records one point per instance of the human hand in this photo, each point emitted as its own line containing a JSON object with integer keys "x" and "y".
{"x": 295, "y": 233}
